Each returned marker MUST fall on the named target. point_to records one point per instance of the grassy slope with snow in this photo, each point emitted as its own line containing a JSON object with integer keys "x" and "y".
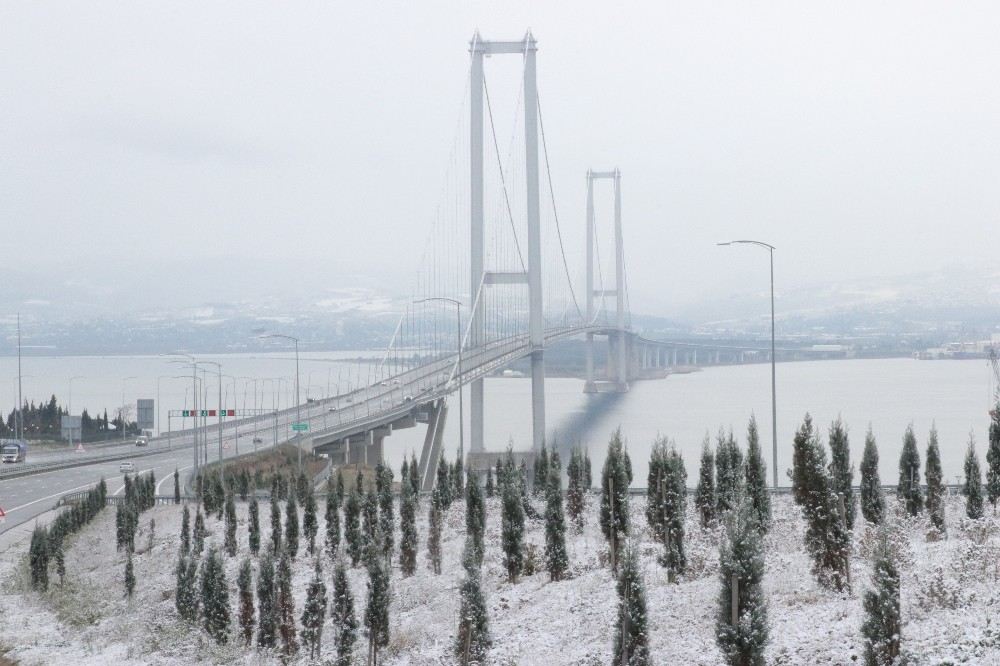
{"x": 533, "y": 622}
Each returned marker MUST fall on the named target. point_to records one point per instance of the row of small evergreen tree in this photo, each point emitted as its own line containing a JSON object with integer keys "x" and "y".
{"x": 46, "y": 546}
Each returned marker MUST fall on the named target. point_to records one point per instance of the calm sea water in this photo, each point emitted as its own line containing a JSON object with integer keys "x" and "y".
{"x": 889, "y": 394}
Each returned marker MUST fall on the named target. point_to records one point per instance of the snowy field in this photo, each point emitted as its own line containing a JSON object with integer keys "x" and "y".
{"x": 950, "y": 597}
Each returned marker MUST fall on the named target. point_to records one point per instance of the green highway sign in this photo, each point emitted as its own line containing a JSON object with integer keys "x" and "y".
{"x": 300, "y": 427}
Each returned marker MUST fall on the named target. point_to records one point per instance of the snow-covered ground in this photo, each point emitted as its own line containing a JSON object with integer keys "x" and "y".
{"x": 950, "y": 598}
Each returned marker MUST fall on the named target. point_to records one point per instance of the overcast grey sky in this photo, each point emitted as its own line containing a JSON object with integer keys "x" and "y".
{"x": 306, "y": 142}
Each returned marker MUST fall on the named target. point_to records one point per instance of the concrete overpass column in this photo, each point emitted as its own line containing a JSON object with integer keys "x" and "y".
{"x": 673, "y": 356}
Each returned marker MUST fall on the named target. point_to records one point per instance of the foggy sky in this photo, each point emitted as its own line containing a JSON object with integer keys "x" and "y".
{"x": 183, "y": 151}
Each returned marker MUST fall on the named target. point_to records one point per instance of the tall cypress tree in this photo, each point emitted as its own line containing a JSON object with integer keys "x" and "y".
{"x": 215, "y": 597}
{"x": 575, "y": 493}
{"x": 129, "y": 575}
{"x": 473, "y": 636}
{"x": 755, "y": 473}
{"x": 556, "y": 559}
{"x": 801, "y": 452}
{"x": 631, "y": 642}
{"x": 908, "y": 489}
{"x": 275, "y": 525}
{"x": 993, "y": 459}
{"x": 443, "y": 486}
{"x": 291, "y": 526}
{"x": 177, "y": 487}
{"x": 872, "y": 501}
{"x": 370, "y": 526}
{"x": 199, "y": 533}
{"x": 254, "y": 529}
{"x": 741, "y": 559}
{"x": 186, "y": 593}
{"x": 704, "y": 497}
{"x": 285, "y": 602}
{"x": 491, "y": 488}
{"x": 674, "y": 505}
{"x": 342, "y": 613}
{"x": 475, "y": 516}
{"x": 841, "y": 469}
{"x": 973, "y": 488}
{"x": 408, "y": 527}
{"x": 339, "y": 487}
{"x": 935, "y": 482}
{"x": 332, "y": 517}
{"x": 434, "y": 534}
{"x": 827, "y": 538}
{"x": 614, "y": 497}
{"x": 386, "y": 519}
{"x": 185, "y": 531}
{"x": 267, "y": 603}
{"x": 352, "y": 527}
{"x": 541, "y": 476}
{"x": 310, "y": 525}
{"x": 457, "y": 478}
{"x": 512, "y": 530}
{"x": 244, "y": 583}
{"x": 415, "y": 478}
{"x": 728, "y": 471}
{"x": 377, "y": 610}
{"x": 883, "y": 625}
{"x": 654, "y": 487}
{"x": 314, "y": 612}
{"x": 230, "y": 539}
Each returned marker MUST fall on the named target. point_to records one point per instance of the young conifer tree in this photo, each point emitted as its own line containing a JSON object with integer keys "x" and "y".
{"x": 827, "y": 538}
{"x": 654, "y": 487}
{"x": 882, "y": 627}
{"x": 512, "y": 530}
{"x": 415, "y": 478}
{"x": 631, "y": 638}
{"x": 935, "y": 482}
{"x": 129, "y": 576}
{"x": 310, "y": 525}
{"x": 541, "y": 473}
{"x": 352, "y": 527}
{"x": 908, "y": 489}
{"x": 291, "y": 526}
{"x": 377, "y": 610}
{"x": 443, "y": 486}
{"x": 801, "y": 452}
{"x": 177, "y": 486}
{"x": 872, "y": 501}
{"x": 575, "y": 492}
{"x": 728, "y": 471}
{"x": 434, "y": 534}
{"x": 199, "y": 533}
{"x": 755, "y": 474}
{"x": 230, "y": 539}
{"x": 275, "y": 525}
{"x": 267, "y": 603}
{"x": 473, "y": 637}
{"x": 704, "y": 497}
{"x": 332, "y": 517}
{"x": 345, "y": 622}
{"x": 973, "y": 488}
{"x": 185, "y": 531}
{"x": 475, "y": 516}
{"x": 244, "y": 585}
{"x": 370, "y": 526}
{"x": 614, "y": 498}
{"x": 741, "y": 560}
{"x": 841, "y": 469}
{"x": 386, "y": 518}
{"x": 254, "y": 528}
{"x": 407, "y": 528}
{"x": 674, "y": 506}
{"x": 285, "y": 602}
{"x": 491, "y": 488}
{"x": 993, "y": 459}
{"x": 339, "y": 487}
{"x": 556, "y": 558}
{"x": 215, "y": 597}
{"x": 185, "y": 595}
{"x": 314, "y": 612}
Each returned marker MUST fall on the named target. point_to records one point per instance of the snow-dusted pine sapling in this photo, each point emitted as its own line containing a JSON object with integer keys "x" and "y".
{"x": 244, "y": 585}
{"x": 473, "y": 637}
{"x": 345, "y": 622}
{"x": 631, "y": 638}
{"x": 575, "y": 492}
{"x": 292, "y": 526}
{"x": 882, "y": 627}
{"x": 500, "y": 475}
{"x": 339, "y": 488}
{"x": 185, "y": 593}
{"x": 377, "y": 610}
{"x": 185, "y": 531}
{"x": 801, "y": 452}
{"x": 434, "y": 535}
{"x": 755, "y": 474}
{"x": 728, "y": 471}
{"x": 404, "y": 473}
{"x": 352, "y": 527}
{"x": 408, "y": 528}
{"x": 359, "y": 483}
{"x": 301, "y": 487}
{"x": 314, "y": 612}
{"x": 935, "y": 482}
{"x": 310, "y": 525}
{"x": 673, "y": 484}
{"x": 199, "y": 533}
{"x": 841, "y": 469}
{"x": 475, "y": 516}
{"x": 457, "y": 480}
{"x": 215, "y": 597}
{"x": 973, "y": 488}
{"x": 908, "y": 488}
{"x": 386, "y": 519}
{"x": 119, "y": 526}
{"x": 654, "y": 487}
{"x": 177, "y": 486}
{"x": 827, "y": 538}
{"x": 993, "y": 459}
{"x": 229, "y": 543}
{"x": 60, "y": 559}
{"x": 872, "y": 501}
{"x": 741, "y": 570}
{"x": 490, "y": 486}
{"x": 443, "y": 484}
{"x": 370, "y": 526}
{"x": 614, "y": 497}
{"x": 332, "y": 525}
{"x": 415, "y": 478}
{"x": 254, "y": 529}
{"x": 267, "y": 603}
{"x": 556, "y": 559}
{"x": 587, "y": 472}
{"x": 512, "y": 531}
{"x": 541, "y": 473}
{"x": 275, "y": 525}
{"x": 129, "y": 576}
{"x": 704, "y": 496}
{"x": 286, "y": 603}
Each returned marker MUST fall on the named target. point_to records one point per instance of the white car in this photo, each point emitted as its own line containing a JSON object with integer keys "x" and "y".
{"x": 126, "y": 466}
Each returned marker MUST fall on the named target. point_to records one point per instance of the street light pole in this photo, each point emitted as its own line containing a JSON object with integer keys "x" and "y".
{"x": 774, "y": 404}
{"x": 298, "y": 406}
{"x": 458, "y": 331}
{"x": 194, "y": 406}
{"x": 69, "y": 410}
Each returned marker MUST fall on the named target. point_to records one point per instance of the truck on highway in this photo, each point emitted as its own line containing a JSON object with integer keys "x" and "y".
{"x": 13, "y": 450}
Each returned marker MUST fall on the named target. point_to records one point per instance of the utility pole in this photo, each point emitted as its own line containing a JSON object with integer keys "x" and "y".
{"x": 19, "y": 422}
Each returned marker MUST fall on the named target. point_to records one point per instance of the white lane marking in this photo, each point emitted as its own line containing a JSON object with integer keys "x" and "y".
{"x": 58, "y": 494}
{"x": 170, "y": 476}
{"x": 137, "y": 474}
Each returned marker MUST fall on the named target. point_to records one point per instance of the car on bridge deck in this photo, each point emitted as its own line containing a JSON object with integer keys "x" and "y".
{"x": 126, "y": 466}
{"x": 408, "y": 398}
